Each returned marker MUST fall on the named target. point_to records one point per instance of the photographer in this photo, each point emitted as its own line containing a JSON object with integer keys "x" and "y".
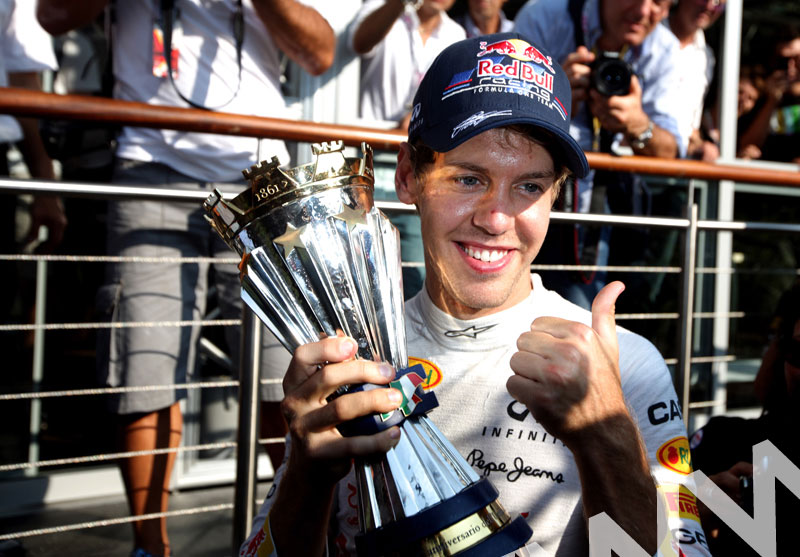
{"x": 606, "y": 43}
{"x": 774, "y": 128}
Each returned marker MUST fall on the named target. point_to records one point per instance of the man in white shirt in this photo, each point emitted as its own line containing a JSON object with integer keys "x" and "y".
{"x": 225, "y": 56}
{"x": 688, "y": 21}
{"x": 397, "y": 40}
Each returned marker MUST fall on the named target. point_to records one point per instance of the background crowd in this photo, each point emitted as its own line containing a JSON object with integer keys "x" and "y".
{"x": 231, "y": 56}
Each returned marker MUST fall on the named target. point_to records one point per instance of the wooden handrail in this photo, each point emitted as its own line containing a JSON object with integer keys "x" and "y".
{"x": 22, "y": 102}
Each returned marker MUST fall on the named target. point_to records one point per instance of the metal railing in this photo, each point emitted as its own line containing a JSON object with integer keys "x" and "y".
{"x": 43, "y": 105}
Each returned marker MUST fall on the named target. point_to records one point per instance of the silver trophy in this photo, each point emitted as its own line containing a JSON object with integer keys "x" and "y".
{"x": 318, "y": 259}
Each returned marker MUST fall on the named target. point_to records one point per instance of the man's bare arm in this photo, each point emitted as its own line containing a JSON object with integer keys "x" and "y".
{"x": 376, "y": 26}
{"x": 300, "y": 31}
{"x": 319, "y": 456}
{"x": 567, "y": 375}
{"x": 59, "y": 16}
{"x": 47, "y": 210}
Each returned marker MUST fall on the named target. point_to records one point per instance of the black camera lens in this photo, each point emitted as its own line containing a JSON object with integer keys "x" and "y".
{"x": 611, "y": 75}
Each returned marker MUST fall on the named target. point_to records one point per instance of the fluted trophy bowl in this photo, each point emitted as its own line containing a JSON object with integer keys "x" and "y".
{"x": 319, "y": 259}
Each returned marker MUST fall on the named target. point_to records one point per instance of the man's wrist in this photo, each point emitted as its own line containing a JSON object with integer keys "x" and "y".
{"x": 641, "y": 139}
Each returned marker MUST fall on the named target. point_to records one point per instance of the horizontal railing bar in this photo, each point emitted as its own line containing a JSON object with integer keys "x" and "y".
{"x": 731, "y": 226}
{"x": 111, "y": 191}
{"x": 118, "y": 325}
{"x": 133, "y": 389}
{"x": 114, "y": 521}
{"x": 118, "y": 390}
{"x": 130, "y": 454}
{"x": 114, "y": 456}
{"x": 22, "y": 102}
{"x": 707, "y": 404}
{"x": 740, "y": 271}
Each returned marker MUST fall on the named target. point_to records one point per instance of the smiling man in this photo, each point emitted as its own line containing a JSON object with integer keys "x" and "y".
{"x": 551, "y": 402}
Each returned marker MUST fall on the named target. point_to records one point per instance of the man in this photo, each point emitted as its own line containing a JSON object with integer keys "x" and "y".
{"x": 485, "y": 17}
{"x": 648, "y": 120}
{"x": 397, "y": 40}
{"x": 225, "y": 55}
{"x": 540, "y": 385}
{"x": 773, "y": 130}
{"x": 688, "y": 21}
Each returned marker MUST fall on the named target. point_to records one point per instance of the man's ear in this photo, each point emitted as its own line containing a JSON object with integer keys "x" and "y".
{"x": 405, "y": 182}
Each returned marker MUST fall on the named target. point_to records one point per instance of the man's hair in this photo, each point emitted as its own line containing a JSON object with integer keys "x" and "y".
{"x": 423, "y": 156}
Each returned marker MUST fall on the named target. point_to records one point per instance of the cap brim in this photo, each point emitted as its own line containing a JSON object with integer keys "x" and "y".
{"x": 575, "y": 157}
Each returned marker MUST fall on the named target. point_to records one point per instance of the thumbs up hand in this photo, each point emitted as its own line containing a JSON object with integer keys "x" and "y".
{"x": 567, "y": 373}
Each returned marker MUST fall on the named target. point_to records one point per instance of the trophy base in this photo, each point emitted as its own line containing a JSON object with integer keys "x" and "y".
{"x": 470, "y": 524}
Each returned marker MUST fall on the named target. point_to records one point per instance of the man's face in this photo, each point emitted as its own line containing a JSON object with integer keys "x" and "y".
{"x": 789, "y": 54}
{"x": 701, "y": 13}
{"x": 485, "y": 209}
{"x": 628, "y": 22}
{"x": 748, "y": 95}
{"x": 485, "y": 9}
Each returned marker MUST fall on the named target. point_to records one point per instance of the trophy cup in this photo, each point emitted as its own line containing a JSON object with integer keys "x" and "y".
{"x": 318, "y": 259}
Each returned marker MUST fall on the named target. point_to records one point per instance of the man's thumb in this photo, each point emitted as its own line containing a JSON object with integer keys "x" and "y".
{"x": 603, "y": 311}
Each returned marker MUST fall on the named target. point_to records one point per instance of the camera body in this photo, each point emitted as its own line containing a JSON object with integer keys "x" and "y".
{"x": 611, "y": 75}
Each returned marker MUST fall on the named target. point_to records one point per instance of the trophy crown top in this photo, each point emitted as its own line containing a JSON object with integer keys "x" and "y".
{"x": 327, "y": 147}
{"x": 272, "y": 186}
{"x": 261, "y": 169}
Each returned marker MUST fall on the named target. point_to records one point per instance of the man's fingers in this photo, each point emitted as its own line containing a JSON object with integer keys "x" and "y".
{"x": 603, "y": 321}
{"x": 348, "y": 447}
{"x": 309, "y": 358}
{"x": 354, "y": 405}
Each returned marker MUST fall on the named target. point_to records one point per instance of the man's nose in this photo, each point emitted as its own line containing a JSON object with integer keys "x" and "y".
{"x": 494, "y": 214}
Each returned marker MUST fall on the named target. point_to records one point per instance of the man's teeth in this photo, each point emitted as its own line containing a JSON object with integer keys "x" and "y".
{"x": 486, "y": 255}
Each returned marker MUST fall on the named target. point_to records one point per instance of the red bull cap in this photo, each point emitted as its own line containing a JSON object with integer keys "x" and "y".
{"x": 491, "y": 81}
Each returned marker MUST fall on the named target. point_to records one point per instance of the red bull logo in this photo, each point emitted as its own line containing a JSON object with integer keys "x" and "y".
{"x": 519, "y": 50}
{"x": 516, "y": 70}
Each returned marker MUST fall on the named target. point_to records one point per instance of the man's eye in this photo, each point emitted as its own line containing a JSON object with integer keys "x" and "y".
{"x": 532, "y": 188}
{"x": 468, "y": 180}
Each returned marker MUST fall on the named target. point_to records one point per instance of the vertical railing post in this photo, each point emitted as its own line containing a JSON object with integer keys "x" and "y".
{"x": 246, "y": 438}
{"x": 37, "y": 372}
{"x": 684, "y": 368}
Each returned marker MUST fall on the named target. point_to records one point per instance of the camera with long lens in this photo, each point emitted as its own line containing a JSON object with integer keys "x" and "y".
{"x": 611, "y": 75}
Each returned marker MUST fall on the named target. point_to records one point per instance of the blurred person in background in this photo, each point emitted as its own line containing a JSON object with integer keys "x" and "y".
{"x": 751, "y": 89}
{"x": 224, "y": 55}
{"x": 775, "y": 125}
{"x": 688, "y": 21}
{"x": 397, "y": 40}
{"x": 26, "y": 50}
{"x": 643, "y": 116}
{"x": 484, "y": 17}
